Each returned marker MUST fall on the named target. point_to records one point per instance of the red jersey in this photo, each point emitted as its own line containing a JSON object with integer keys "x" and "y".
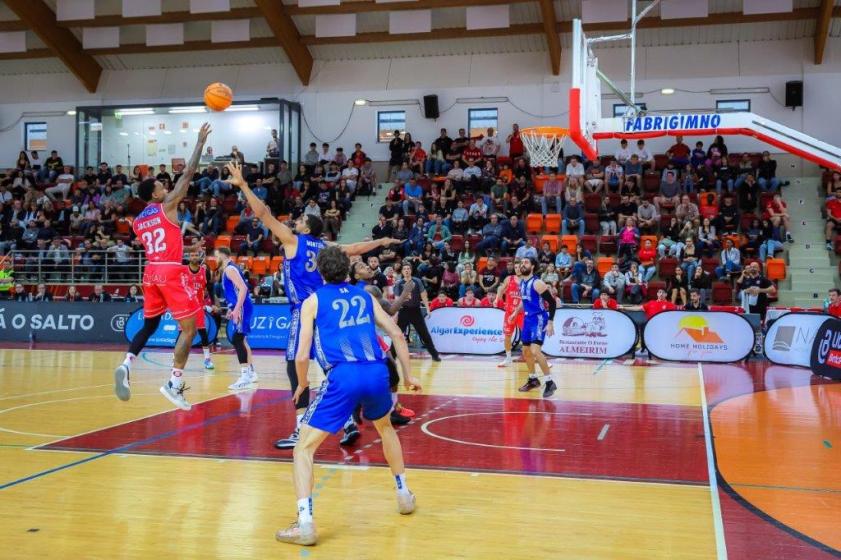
{"x": 512, "y": 295}
{"x": 161, "y": 237}
{"x": 438, "y": 304}
{"x": 654, "y": 307}
{"x": 834, "y": 309}
{"x": 471, "y": 154}
{"x": 464, "y": 302}
{"x": 611, "y": 304}
{"x": 198, "y": 281}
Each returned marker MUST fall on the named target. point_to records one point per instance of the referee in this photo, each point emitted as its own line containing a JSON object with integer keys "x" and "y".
{"x": 410, "y": 313}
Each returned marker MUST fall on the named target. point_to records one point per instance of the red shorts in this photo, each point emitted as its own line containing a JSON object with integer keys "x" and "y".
{"x": 508, "y": 325}
{"x": 167, "y": 287}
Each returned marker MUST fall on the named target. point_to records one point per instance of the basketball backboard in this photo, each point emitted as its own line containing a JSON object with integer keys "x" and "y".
{"x": 585, "y": 96}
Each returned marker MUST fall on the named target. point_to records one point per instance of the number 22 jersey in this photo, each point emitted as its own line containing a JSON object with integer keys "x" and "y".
{"x": 345, "y": 329}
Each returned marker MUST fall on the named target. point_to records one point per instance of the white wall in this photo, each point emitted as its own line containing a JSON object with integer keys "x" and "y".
{"x": 536, "y": 96}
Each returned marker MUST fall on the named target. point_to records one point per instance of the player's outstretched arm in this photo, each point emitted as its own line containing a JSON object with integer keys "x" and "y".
{"x": 261, "y": 211}
{"x": 353, "y": 249}
{"x": 387, "y": 324}
{"x": 178, "y": 193}
{"x": 302, "y": 358}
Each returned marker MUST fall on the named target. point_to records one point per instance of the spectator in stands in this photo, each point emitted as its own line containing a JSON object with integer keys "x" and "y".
{"x": 550, "y": 276}
{"x": 695, "y": 302}
{"x": 333, "y": 220}
{"x": 515, "y": 143}
{"x": 679, "y": 153}
{"x": 478, "y": 215}
{"x": 833, "y": 218}
{"x": 412, "y": 196}
{"x": 647, "y": 217}
{"x": 469, "y": 279}
{"x": 745, "y": 169}
{"x": 833, "y": 306}
{"x": 728, "y": 219}
{"x": 350, "y": 175}
{"x": 513, "y": 235}
{"x": 253, "y": 238}
{"x": 730, "y": 260}
{"x": 594, "y": 177}
{"x": 766, "y": 173}
{"x": 626, "y": 210}
{"x": 754, "y": 290}
{"x": 382, "y": 229}
{"x": 708, "y": 242}
{"x": 724, "y": 175}
{"x": 623, "y": 154}
{"x": 615, "y": 174}
{"x": 644, "y": 156}
{"x": 690, "y": 257}
{"x": 312, "y": 208}
{"x": 491, "y": 235}
{"x": 442, "y": 300}
{"x": 613, "y": 283}
{"x": 545, "y": 256}
{"x": 575, "y": 173}
{"x": 52, "y": 167}
{"x": 628, "y": 240}
{"x": 687, "y": 211}
{"x": 395, "y": 149}
{"x": 499, "y": 196}
{"x": 633, "y": 171}
{"x": 467, "y": 256}
{"x": 72, "y": 294}
{"x": 573, "y": 219}
{"x": 552, "y": 193}
{"x": 490, "y": 145}
{"x": 777, "y": 212}
{"x": 635, "y": 282}
{"x": 41, "y": 294}
{"x": 450, "y": 280}
{"x": 469, "y": 299}
{"x": 669, "y": 193}
{"x": 526, "y": 251}
{"x": 698, "y": 155}
{"x": 677, "y": 287}
{"x": 748, "y": 193}
{"x": 63, "y": 184}
{"x": 586, "y": 282}
{"x": 605, "y": 302}
{"x": 458, "y": 221}
{"x": 488, "y": 277}
{"x": 607, "y": 218}
{"x": 20, "y": 294}
{"x": 438, "y": 233}
{"x": 702, "y": 281}
{"x": 472, "y": 155}
{"x": 99, "y": 295}
{"x": 563, "y": 262}
{"x": 58, "y": 257}
{"x": 647, "y": 255}
{"x": 417, "y": 237}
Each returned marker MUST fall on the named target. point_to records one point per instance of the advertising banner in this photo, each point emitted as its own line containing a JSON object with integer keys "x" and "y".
{"x": 591, "y": 333}
{"x": 826, "y": 350}
{"x": 702, "y": 336}
{"x": 167, "y": 332}
{"x": 790, "y": 338}
{"x": 56, "y": 321}
{"x": 269, "y": 327}
{"x": 475, "y": 330}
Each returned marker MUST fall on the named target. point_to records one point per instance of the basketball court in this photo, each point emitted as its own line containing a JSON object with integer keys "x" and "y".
{"x": 617, "y": 464}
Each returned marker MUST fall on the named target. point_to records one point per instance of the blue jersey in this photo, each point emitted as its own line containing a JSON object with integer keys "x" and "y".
{"x": 345, "y": 329}
{"x": 230, "y": 291}
{"x": 300, "y": 273}
{"x": 532, "y": 302}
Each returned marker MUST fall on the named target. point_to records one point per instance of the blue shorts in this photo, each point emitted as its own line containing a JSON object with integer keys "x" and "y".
{"x": 347, "y": 385}
{"x": 534, "y": 329}
{"x": 244, "y": 326}
{"x": 295, "y": 335}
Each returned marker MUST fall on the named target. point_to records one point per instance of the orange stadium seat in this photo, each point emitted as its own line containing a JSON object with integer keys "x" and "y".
{"x": 260, "y": 265}
{"x": 603, "y": 265}
{"x": 245, "y": 261}
{"x": 534, "y": 223}
{"x": 775, "y": 269}
{"x": 570, "y": 241}
{"x": 552, "y": 223}
{"x": 232, "y": 223}
{"x": 552, "y": 240}
{"x": 275, "y": 263}
{"x": 223, "y": 241}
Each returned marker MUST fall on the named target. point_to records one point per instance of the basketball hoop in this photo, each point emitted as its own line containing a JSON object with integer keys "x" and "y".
{"x": 543, "y": 144}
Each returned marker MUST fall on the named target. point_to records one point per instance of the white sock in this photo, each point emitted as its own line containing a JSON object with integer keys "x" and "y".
{"x": 206, "y": 351}
{"x": 244, "y": 370}
{"x": 393, "y": 399}
{"x": 129, "y": 359}
{"x": 508, "y": 354}
{"x": 298, "y": 419}
{"x": 402, "y": 487}
{"x": 349, "y": 422}
{"x": 176, "y": 377}
{"x": 305, "y": 510}
{"x": 251, "y": 367}
{"x": 547, "y": 378}
{"x": 532, "y": 375}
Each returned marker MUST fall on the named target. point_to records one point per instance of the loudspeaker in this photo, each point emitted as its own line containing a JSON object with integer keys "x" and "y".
{"x": 430, "y": 106}
{"x": 794, "y": 94}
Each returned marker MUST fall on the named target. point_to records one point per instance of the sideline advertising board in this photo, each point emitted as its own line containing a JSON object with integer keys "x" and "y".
{"x": 167, "y": 332}
{"x": 826, "y": 350}
{"x": 699, "y": 336}
{"x": 591, "y": 333}
{"x": 790, "y": 338}
{"x": 457, "y": 330}
{"x": 269, "y": 327}
{"x": 57, "y": 321}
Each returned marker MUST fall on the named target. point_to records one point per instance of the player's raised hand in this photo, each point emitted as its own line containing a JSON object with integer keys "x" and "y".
{"x": 204, "y": 132}
{"x": 235, "y": 169}
{"x": 412, "y": 384}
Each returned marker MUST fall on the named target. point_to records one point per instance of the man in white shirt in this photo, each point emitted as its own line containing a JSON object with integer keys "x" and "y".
{"x": 623, "y": 154}
{"x": 351, "y": 176}
{"x": 325, "y": 156}
{"x": 490, "y": 146}
{"x": 575, "y": 172}
{"x": 272, "y": 149}
{"x": 644, "y": 155}
{"x": 478, "y": 214}
{"x": 63, "y": 183}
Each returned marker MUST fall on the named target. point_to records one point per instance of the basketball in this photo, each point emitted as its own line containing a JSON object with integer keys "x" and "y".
{"x": 218, "y": 96}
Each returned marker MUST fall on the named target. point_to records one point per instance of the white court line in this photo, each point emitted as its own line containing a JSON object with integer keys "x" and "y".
{"x": 603, "y": 433}
{"x": 718, "y": 523}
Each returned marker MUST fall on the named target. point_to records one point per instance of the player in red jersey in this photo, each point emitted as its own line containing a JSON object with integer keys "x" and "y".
{"x": 166, "y": 281}
{"x": 509, "y": 291}
{"x": 199, "y": 279}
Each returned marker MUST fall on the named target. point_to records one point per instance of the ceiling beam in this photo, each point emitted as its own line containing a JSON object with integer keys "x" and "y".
{"x": 28, "y": 55}
{"x": 435, "y": 34}
{"x": 287, "y": 35}
{"x": 166, "y": 17}
{"x": 553, "y": 40}
{"x": 364, "y": 6}
{"x": 822, "y": 29}
{"x": 187, "y": 46}
{"x": 42, "y": 20}
{"x": 13, "y": 25}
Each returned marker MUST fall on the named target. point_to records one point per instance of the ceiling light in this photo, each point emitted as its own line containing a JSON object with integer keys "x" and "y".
{"x": 739, "y": 90}
{"x": 243, "y": 108}
{"x": 124, "y": 134}
{"x": 71, "y": 112}
{"x": 167, "y": 132}
{"x": 185, "y": 110}
{"x": 667, "y": 91}
{"x": 152, "y": 133}
{"x": 360, "y": 102}
{"x": 183, "y": 130}
{"x": 134, "y": 112}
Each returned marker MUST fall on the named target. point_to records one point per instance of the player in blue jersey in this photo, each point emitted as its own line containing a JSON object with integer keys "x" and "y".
{"x": 340, "y": 321}
{"x": 301, "y": 246}
{"x": 537, "y": 325}
{"x": 240, "y": 312}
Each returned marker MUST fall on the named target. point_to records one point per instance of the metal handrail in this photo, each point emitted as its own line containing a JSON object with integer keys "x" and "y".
{"x": 31, "y": 266}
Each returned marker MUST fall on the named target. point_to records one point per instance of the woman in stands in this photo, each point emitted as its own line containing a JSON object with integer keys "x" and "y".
{"x": 691, "y": 257}
{"x": 333, "y": 220}
{"x": 777, "y": 211}
{"x": 707, "y": 238}
{"x": 467, "y": 256}
{"x": 678, "y": 287}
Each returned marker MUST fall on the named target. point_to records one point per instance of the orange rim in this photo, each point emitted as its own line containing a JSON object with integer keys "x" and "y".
{"x": 545, "y": 131}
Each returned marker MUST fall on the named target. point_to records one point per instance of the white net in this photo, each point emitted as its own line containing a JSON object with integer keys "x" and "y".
{"x": 543, "y": 144}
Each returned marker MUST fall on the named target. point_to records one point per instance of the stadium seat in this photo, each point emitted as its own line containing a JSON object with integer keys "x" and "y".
{"x": 607, "y": 245}
{"x": 603, "y": 265}
{"x": 229, "y": 205}
{"x": 592, "y": 202}
{"x": 775, "y": 269}
{"x": 709, "y": 264}
{"x": 652, "y": 238}
{"x": 245, "y": 261}
{"x": 474, "y": 239}
{"x": 737, "y": 239}
{"x": 709, "y": 211}
{"x": 260, "y": 265}
{"x": 653, "y": 286}
{"x": 534, "y": 223}
{"x": 590, "y": 242}
{"x": 722, "y": 293}
{"x": 552, "y": 223}
{"x": 661, "y": 160}
{"x": 457, "y": 243}
{"x": 232, "y": 223}
{"x": 481, "y": 264}
{"x": 539, "y": 181}
{"x": 283, "y": 218}
{"x": 236, "y": 241}
{"x": 552, "y": 240}
{"x": 591, "y": 223}
{"x": 651, "y": 182}
{"x": 708, "y": 199}
{"x": 222, "y": 241}
{"x": 275, "y": 263}
{"x": 667, "y": 267}
{"x": 746, "y": 219}
{"x": 570, "y": 241}
{"x": 267, "y": 245}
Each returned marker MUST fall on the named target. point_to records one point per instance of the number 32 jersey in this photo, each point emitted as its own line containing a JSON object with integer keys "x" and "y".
{"x": 161, "y": 238}
{"x": 300, "y": 273}
{"x": 345, "y": 329}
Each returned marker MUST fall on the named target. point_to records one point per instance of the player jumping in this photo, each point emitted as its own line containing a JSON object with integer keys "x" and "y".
{"x": 301, "y": 247}
{"x": 537, "y": 325}
{"x": 509, "y": 290}
{"x": 341, "y": 319}
{"x": 166, "y": 281}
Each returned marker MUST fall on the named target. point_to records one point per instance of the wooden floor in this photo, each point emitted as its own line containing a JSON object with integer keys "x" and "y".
{"x": 615, "y": 465}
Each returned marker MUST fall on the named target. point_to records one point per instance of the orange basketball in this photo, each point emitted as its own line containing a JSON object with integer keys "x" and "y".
{"x": 218, "y": 96}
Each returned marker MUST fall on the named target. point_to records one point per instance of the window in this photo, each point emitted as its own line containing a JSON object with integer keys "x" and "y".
{"x": 732, "y": 105}
{"x": 620, "y": 108}
{"x": 480, "y": 120}
{"x": 35, "y": 136}
{"x": 388, "y": 122}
